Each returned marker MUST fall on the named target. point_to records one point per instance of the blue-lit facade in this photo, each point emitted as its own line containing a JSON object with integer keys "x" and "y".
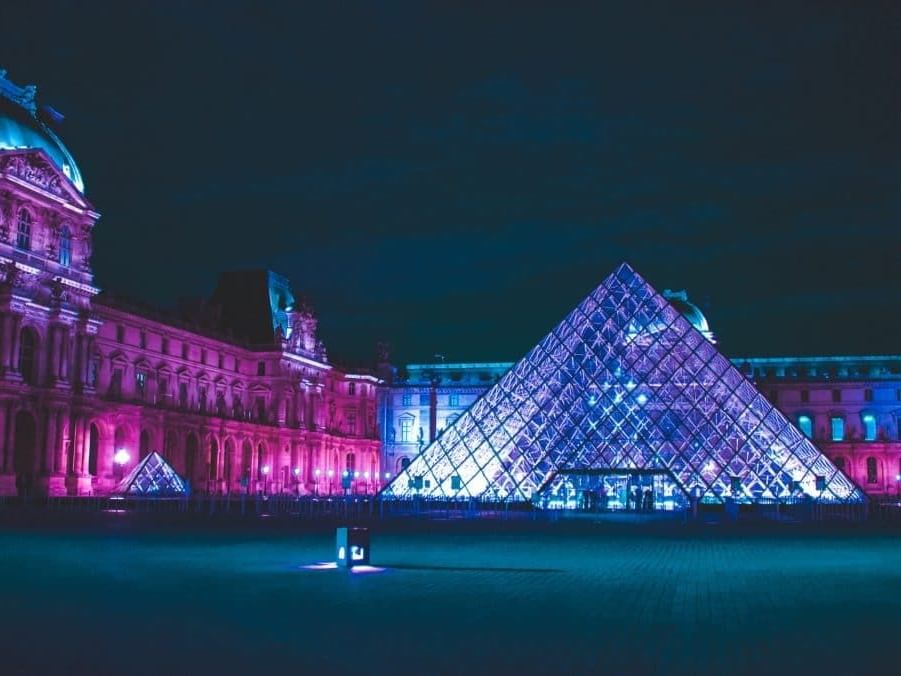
{"x": 625, "y": 399}
{"x": 848, "y": 406}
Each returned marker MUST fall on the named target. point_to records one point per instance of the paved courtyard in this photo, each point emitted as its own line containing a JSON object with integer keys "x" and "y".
{"x": 615, "y": 600}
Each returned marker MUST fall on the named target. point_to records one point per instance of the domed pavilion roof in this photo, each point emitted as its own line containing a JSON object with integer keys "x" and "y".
{"x": 679, "y": 300}
{"x": 21, "y": 127}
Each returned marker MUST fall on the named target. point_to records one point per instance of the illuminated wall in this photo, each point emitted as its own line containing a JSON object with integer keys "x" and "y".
{"x": 626, "y": 382}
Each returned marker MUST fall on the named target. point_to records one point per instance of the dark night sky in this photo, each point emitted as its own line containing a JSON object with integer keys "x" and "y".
{"x": 454, "y": 180}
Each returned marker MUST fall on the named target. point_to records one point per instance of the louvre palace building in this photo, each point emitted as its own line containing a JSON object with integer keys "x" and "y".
{"x": 628, "y": 396}
{"x": 237, "y": 395}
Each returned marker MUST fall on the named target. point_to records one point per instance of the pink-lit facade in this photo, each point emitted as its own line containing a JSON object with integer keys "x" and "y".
{"x": 90, "y": 384}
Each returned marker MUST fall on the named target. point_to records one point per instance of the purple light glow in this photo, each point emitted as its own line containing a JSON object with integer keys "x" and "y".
{"x": 324, "y": 565}
{"x": 366, "y": 570}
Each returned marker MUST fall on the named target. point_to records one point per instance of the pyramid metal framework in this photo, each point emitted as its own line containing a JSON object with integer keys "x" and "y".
{"x": 152, "y": 477}
{"x": 624, "y": 382}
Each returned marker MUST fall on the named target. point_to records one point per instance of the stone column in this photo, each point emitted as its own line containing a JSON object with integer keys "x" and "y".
{"x": 5, "y": 340}
{"x": 59, "y": 463}
{"x": 10, "y": 436}
{"x": 15, "y": 323}
{"x": 78, "y": 447}
{"x": 5, "y": 449}
{"x": 49, "y": 450}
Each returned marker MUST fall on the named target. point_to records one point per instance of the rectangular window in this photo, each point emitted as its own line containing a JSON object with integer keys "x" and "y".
{"x": 164, "y": 346}
{"x": 261, "y": 368}
{"x": 183, "y": 394}
{"x": 869, "y": 427}
{"x": 184, "y": 350}
{"x": 406, "y": 400}
{"x": 805, "y": 424}
{"x": 838, "y": 428}
{"x": 203, "y": 356}
{"x": 201, "y": 398}
{"x": 260, "y": 407}
{"x": 351, "y": 419}
{"x": 140, "y": 383}
{"x": 237, "y": 365}
{"x": 115, "y": 385}
{"x": 351, "y": 388}
{"x": 836, "y": 396}
{"x": 93, "y": 372}
{"x": 162, "y": 391}
{"x": 805, "y": 396}
{"x": 143, "y": 340}
{"x": 406, "y": 430}
{"x": 221, "y": 361}
{"x": 868, "y": 395}
{"x": 424, "y": 399}
{"x": 120, "y": 334}
{"x": 453, "y": 400}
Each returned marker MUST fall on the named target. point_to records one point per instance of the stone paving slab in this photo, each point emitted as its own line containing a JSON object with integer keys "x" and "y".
{"x": 543, "y": 602}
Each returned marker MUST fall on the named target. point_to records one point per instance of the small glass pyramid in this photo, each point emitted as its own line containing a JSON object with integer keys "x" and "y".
{"x": 152, "y": 477}
{"x": 624, "y": 383}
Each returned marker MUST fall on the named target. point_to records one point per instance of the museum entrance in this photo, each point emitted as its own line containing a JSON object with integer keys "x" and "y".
{"x": 601, "y": 490}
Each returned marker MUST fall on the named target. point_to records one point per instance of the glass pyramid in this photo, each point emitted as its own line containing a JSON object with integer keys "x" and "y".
{"x": 152, "y": 477}
{"x": 624, "y": 382}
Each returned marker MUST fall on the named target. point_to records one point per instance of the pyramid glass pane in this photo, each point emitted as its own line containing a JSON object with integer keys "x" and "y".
{"x": 626, "y": 383}
{"x": 152, "y": 477}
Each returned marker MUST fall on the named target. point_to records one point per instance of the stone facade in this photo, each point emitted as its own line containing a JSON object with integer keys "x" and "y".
{"x": 89, "y": 383}
{"x": 420, "y": 400}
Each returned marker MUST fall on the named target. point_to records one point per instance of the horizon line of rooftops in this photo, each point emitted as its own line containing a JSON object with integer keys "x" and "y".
{"x": 837, "y": 367}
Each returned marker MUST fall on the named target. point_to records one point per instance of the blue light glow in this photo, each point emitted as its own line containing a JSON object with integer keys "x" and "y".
{"x": 516, "y": 438}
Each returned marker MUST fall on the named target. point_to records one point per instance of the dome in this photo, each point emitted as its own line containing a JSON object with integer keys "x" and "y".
{"x": 21, "y": 128}
{"x": 679, "y": 300}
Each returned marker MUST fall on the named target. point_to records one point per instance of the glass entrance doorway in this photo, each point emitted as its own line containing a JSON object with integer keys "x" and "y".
{"x": 614, "y": 490}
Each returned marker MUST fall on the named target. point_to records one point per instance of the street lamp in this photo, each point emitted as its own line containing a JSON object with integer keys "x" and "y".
{"x": 120, "y": 459}
{"x": 265, "y": 471}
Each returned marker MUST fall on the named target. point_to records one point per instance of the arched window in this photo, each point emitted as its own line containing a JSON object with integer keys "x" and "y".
{"x": 23, "y": 231}
{"x": 872, "y": 473}
{"x": 261, "y": 461}
{"x": 28, "y": 349}
{"x": 93, "y": 450}
{"x": 227, "y": 462}
{"x": 191, "y": 447}
{"x": 246, "y": 461}
{"x": 65, "y": 246}
{"x": 144, "y": 444}
{"x": 214, "y": 460}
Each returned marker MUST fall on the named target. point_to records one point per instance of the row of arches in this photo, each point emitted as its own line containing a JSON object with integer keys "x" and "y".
{"x": 229, "y": 463}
